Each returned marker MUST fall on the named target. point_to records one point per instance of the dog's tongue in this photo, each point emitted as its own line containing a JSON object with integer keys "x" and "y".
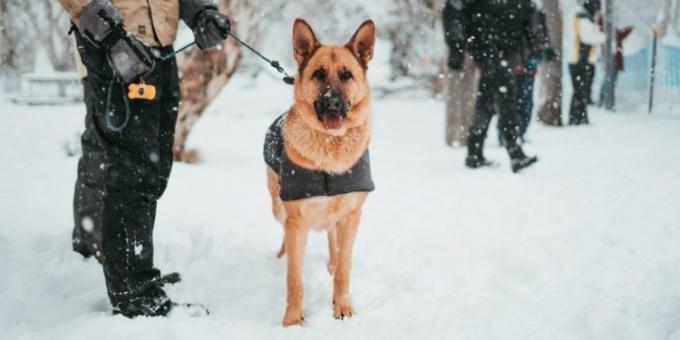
{"x": 332, "y": 123}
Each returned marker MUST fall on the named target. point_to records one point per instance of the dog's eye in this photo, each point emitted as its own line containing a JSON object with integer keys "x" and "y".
{"x": 345, "y": 75}
{"x": 319, "y": 74}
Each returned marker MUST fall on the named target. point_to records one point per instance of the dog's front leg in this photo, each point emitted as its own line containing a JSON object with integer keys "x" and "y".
{"x": 346, "y": 233}
{"x": 332, "y": 250}
{"x": 295, "y": 241}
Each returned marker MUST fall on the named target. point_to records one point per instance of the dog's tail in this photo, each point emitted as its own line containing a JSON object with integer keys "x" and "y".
{"x": 282, "y": 251}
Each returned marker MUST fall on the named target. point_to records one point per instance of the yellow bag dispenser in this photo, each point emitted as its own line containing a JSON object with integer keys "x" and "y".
{"x": 141, "y": 91}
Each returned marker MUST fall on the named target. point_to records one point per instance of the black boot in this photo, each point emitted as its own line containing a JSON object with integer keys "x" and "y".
{"x": 475, "y": 159}
{"x": 475, "y": 162}
{"x": 158, "y": 305}
{"x": 520, "y": 161}
{"x": 154, "y": 302}
{"x": 579, "y": 119}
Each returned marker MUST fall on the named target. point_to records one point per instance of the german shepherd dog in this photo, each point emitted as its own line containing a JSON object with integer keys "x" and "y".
{"x": 317, "y": 156}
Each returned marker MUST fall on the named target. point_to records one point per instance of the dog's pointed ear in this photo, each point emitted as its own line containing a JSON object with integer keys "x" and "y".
{"x": 304, "y": 41}
{"x": 363, "y": 42}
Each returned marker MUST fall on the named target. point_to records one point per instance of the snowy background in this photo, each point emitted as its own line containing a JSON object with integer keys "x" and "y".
{"x": 585, "y": 245}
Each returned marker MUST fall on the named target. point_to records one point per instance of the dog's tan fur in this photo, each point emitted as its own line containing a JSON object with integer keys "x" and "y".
{"x": 310, "y": 145}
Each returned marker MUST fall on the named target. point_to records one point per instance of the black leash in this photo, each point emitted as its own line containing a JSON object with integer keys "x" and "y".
{"x": 288, "y": 79}
{"x": 168, "y": 56}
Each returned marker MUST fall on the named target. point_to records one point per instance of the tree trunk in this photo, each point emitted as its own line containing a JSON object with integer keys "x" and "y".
{"x": 204, "y": 73}
{"x": 609, "y": 51}
{"x": 7, "y": 57}
{"x": 460, "y": 102}
{"x": 550, "y": 110}
{"x": 56, "y": 40}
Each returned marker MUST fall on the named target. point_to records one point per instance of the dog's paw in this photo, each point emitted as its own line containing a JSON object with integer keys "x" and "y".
{"x": 342, "y": 309}
{"x": 293, "y": 317}
{"x": 188, "y": 156}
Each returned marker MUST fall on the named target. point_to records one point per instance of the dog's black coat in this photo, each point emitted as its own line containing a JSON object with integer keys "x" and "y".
{"x": 297, "y": 182}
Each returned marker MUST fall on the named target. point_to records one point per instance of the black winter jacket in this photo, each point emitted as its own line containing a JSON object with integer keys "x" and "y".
{"x": 488, "y": 29}
{"x": 298, "y": 183}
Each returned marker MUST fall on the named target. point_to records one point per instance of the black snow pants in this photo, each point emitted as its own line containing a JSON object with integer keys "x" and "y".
{"x": 121, "y": 175}
{"x": 581, "y": 79}
{"x": 497, "y": 92}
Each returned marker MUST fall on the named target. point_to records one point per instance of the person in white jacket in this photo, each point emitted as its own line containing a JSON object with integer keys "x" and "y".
{"x": 582, "y": 64}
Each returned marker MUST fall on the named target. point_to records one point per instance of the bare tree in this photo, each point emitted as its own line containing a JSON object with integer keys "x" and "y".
{"x": 7, "y": 57}
{"x": 204, "y": 74}
{"x": 417, "y": 47}
{"x": 50, "y": 25}
{"x": 550, "y": 110}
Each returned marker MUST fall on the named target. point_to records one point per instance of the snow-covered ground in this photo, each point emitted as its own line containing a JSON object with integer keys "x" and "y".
{"x": 586, "y": 245}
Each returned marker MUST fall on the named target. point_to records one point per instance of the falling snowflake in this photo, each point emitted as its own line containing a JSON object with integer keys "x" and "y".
{"x": 87, "y": 223}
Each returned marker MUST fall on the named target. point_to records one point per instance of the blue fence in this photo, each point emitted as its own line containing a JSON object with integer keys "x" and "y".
{"x": 636, "y": 75}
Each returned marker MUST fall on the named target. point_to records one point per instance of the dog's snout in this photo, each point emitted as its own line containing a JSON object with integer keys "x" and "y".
{"x": 332, "y": 104}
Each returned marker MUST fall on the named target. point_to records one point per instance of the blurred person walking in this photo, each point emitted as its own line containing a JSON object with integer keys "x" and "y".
{"x": 526, "y": 76}
{"x": 496, "y": 34}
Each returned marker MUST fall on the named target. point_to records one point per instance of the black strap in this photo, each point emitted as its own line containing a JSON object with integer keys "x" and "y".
{"x": 72, "y": 29}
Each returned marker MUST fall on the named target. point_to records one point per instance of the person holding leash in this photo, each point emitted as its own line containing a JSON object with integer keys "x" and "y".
{"x": 133, "y": 89}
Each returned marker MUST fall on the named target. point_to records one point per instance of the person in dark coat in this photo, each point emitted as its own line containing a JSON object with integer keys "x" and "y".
{"x": 621, "y": 35}
{"x": 588, "y": 38}
{"x": 128, "y": 139}
{"x": 526, "y": 76}
{"x": 496, "y": 34}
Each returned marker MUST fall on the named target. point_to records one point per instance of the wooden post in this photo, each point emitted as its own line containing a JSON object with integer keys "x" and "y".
{"x": 609, "y": 51}
{"x": 460, "y": 102}
{"x": 550, "y": 110}
{"x": 7, "y": 57}
{"x": 652, "y": 72}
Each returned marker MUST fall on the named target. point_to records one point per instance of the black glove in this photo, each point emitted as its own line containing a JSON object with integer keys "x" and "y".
{"x": 102, "y": 25}
{"x": 210, "y": 27}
